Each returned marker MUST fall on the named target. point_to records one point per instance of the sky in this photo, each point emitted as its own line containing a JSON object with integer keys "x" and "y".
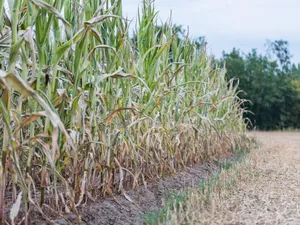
{"x": 243, "y": 24}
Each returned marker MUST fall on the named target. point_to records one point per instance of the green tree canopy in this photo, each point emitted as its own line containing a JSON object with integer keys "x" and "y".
{"x": 270, "y": 82}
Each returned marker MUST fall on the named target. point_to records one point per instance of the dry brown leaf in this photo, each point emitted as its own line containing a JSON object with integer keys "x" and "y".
{"x": 114, "y": 113}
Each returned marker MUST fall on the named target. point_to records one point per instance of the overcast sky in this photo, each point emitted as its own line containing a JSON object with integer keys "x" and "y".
{"x": 244, "y": 24}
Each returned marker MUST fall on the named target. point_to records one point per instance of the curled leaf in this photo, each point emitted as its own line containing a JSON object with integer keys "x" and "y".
{"x": 98, "y": 19}
{"x": 100, "y": 46}
{"x": 114, "y": 113}
{"x": 16, "y": 83}
{"x": 32, "y": 117}
{"x": 117, "y": 74}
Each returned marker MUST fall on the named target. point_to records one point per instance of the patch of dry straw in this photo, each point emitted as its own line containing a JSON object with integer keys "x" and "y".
{"x": 262, "y": 189}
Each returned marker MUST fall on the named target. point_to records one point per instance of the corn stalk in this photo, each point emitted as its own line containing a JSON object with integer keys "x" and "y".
{"x": 88, "y": 110}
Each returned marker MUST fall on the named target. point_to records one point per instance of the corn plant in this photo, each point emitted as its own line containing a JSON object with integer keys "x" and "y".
{"x": 87, "y": 110}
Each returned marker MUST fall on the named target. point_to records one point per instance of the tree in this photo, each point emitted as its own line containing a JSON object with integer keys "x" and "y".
{"x": 280, "y": 49}
{"x": 272, "y": 86}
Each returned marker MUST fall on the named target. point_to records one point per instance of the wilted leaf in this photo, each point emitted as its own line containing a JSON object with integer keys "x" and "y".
{"x": 32, "y": 117}
{"x": 98, "y": 19}
{"x": 15, "y": 82}
{"x": 96, "y": 34}
{"x": 28, "y": 36}
{"x": 113, "y": 114}
{"x": 137, "y": 121}
{"x": 15, "y": 208}
{"x": 117, "y": 74}
{"x": 100, "y": 46}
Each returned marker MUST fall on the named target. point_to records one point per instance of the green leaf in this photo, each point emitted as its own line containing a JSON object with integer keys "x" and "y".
{"x": 53, "y": 10}
{"x": 61, "y": 50}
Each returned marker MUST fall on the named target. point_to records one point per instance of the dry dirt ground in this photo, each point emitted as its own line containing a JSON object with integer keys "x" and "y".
{"x": 274, "y": 197}
{"x": 271, "y": 195}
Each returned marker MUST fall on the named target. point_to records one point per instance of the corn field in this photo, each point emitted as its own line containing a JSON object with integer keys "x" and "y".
{"x": 87, "y": 110}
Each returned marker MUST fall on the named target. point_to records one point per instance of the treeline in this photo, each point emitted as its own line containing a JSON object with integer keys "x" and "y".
{"x": 271, "y": 83}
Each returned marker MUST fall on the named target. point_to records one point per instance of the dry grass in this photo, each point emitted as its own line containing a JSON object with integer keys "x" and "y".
{"x": 263, "y": 189}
